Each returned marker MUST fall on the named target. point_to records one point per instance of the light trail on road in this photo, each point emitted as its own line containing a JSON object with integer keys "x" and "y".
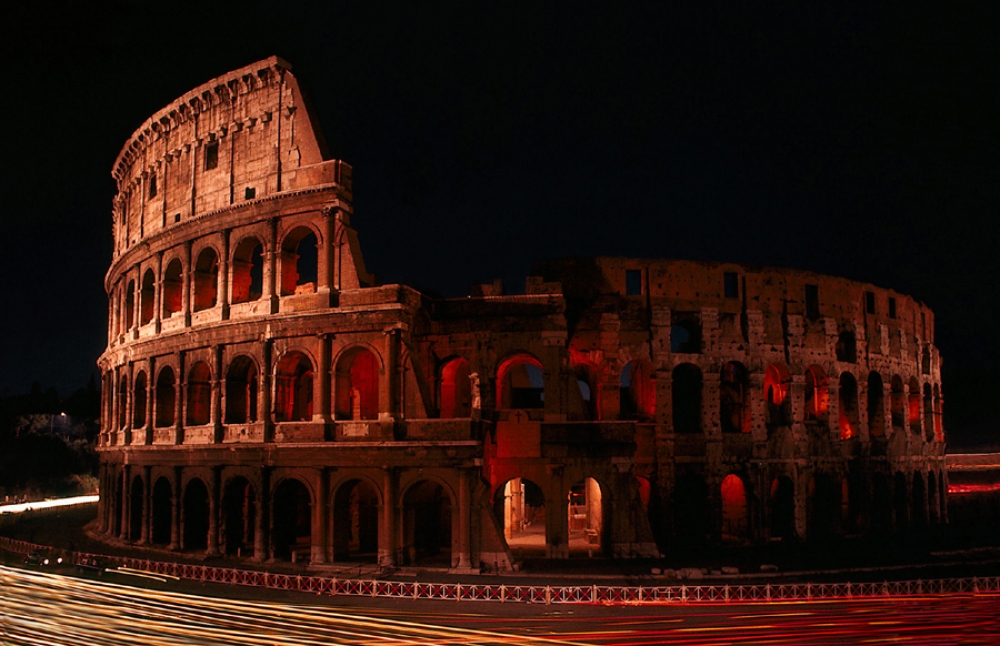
{"x": 43, "y": 608}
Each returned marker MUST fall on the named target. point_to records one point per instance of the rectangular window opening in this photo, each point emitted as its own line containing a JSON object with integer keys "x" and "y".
{"x": 152, "y": 186}
{"x": 812, "y": 301}
{"x": 249, "y": 193}
{"x": 870, "y": 302}
{"x": 633, "y": 282}
{"x": 211, "y": 155}
{"x": 731, "y": 284}
{"x": 177, "y": 217}
{"x": 892, "y": 307}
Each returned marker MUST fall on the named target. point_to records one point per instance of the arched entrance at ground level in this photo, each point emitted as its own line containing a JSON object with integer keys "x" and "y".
{"x": 135, "y": 508}
{"x": 735, "y": 511}
{"x": 355, "y": 522}
{"x": 427, "y": 525}
{"x": 900, "y": 502}
{"x": 195, "y": 519}
{"x": 587, "y": 510}
{"x": 292, "y": 521}
{"x": 823, "y": 507}
{"x": 690, "y": 509}
{"x": 520, "y": 507}
{"x": 162, "y": 507}
{"x": 852, "y": 501}
{"x": 782, "y": 508}
{"x": 881, "y": 504}
{"x": 239, "y": 517}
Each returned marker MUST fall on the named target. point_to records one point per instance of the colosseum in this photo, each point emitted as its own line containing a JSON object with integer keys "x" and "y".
{"x": 264, "y": 398}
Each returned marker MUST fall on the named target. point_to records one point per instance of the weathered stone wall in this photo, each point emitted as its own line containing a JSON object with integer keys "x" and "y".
{"x": 263, "y": 397}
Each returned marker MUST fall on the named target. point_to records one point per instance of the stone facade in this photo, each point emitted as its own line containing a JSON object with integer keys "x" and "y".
{"x": 265, "y": 399}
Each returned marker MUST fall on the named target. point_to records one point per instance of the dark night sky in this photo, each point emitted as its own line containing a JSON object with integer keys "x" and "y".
{"x": 851, "y": 141}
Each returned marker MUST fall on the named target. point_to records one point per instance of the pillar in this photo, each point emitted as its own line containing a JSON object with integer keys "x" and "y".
{"x": 126, "y": 497}
{"x": 388, "y": 544}
{"x": 318, "y": 547}
{"x": 146, "y": 499}
{"x": 224, "y": 274}
{"x": 175, "y": 511}
{"x": 260, "y": 541}
{"x": 215, "y": 414}
{"x": 464, "y": 524}
{"x": 213, "y": 512}
{"x": 186, "y": 278}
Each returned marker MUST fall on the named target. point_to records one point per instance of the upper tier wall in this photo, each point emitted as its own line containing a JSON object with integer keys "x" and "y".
{"x": 245, "y": 135}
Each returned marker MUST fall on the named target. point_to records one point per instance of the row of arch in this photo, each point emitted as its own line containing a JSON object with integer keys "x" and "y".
{"x": 296, "y": 272}
{"x": 288, "y": 519}
{"x": 520, "y": 383}
{"x": 356, "y": 387}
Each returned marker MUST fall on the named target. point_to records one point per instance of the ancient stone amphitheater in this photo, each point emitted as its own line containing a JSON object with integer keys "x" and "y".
{"x": 266, "y": 399}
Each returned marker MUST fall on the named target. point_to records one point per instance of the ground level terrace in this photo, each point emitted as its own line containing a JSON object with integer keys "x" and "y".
{"x": 464, "y": 517}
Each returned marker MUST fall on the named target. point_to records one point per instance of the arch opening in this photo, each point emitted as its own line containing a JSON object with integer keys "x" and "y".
{"x": 248, "y": 271}
{"x": 637, "y": 390}
{"x": 239, "y": 517}
{"x": 242, "y": 385}
{"x": 299, "y": 262}
{"x": 166, "y": 398}
{"x": 686, "y": 398}
{"x": 147, "y": 298}
{"x": 427, "y": 525}
{"x": 734, "y": 398}
{"x": 735, "y": 510}
{"x": 206, "y": 280}
{"x": 293, "y": 388}
{"x": 161, "y": 516}
{"x": 355, "y": 522}
{"x": 520, "y": 507}
{"x": 139, "y": 401}
{"x": 521, "y": 383}
{"x": 291, "y": 532}
{"x": 456, "y": 389}
{"x": 357, "y": 378}
{"x": 195, "y": 518}
{"x": 199, "y": 394}
{"x": 848, "y": 413}
{"x": 173, "y": 289}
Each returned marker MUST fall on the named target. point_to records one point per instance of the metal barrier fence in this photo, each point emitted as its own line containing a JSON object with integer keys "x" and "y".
{"x": 543, "y": 594}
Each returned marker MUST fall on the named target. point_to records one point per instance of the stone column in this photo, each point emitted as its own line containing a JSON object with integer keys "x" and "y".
{"x": 321, "y": 384}
{"x": 388, "y": 543}
{"x": 146, "y": 493}
{"x": 213, "y": 512}
{"x": 556, "y": 512}
{"x": 150, "y": 400}
{"x": 129, "y": 403}
{"x": 175, "y": 511}
{"x": 318, "y": 547}
{"x": 158, "y": 290}
{"x": 224, "y": 265}
{"x": 464, "y": 513}
{"x": 186, "y": 277}
{"x": 179, "y": 391}
{"x": 126, "y": 499}
{"x": 324, "y": 259}
{"x": 264, "y": 400}
{"x": 215, "y": 414}
{"x": 260, "y": 539}
{"x": 270, "y": 271}
{"x": 710, "y": 424}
